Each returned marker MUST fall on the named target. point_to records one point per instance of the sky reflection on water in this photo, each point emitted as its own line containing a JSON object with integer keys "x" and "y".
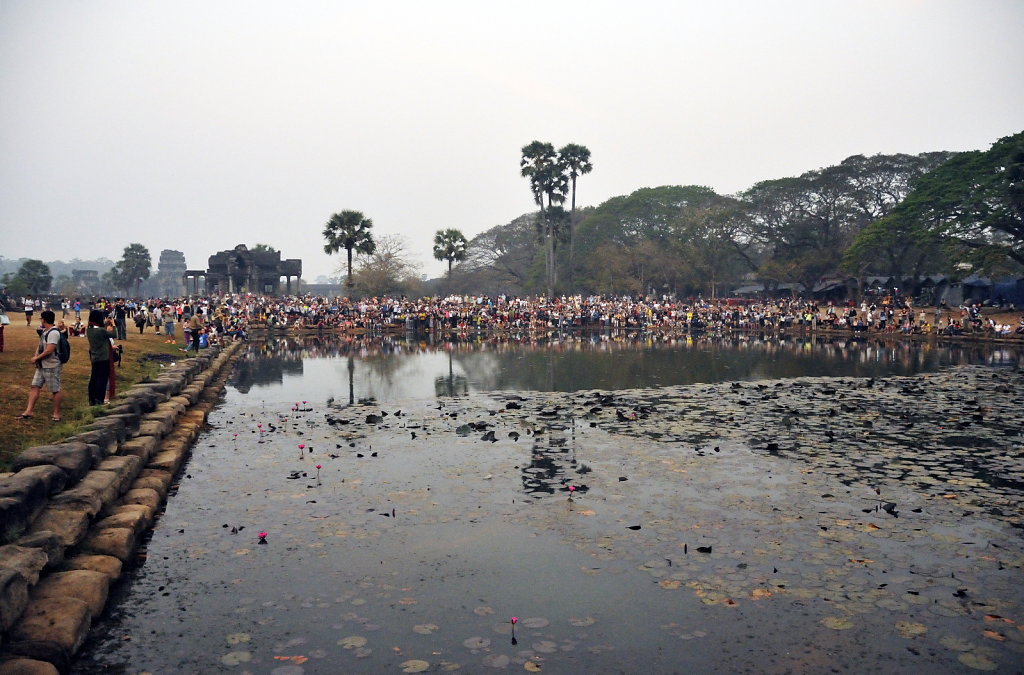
{"x": 393, "y": 368}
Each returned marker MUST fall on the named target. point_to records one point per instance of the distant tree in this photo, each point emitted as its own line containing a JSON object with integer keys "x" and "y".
{"x": 116, "y": 280}
{"x": 499, "y": 259}
{"x": 13, "y": 285}
{"x": 973, "y": 203}
{"x": 575, "y": 161}
{"x": 265, "y": 248}
{"x": 134, "y": 266}
{"x": 387, "y": 271}
{"x": 349, "y": 230}
{"x": 36, "y": 277}
{"x": 539, "y": 164}
{"x": 450, "y": 245}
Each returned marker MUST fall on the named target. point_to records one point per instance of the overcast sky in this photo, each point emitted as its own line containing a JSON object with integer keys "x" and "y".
{"x": 199, "y": 125}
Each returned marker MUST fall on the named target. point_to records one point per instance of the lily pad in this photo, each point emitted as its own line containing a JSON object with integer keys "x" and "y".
{"x": 837, "y": 622}
{"x": 476, "y": 642}
{"x": 235, "y": 658}
{"x": 352, "y": 641}
{"x": 414, "y": 666}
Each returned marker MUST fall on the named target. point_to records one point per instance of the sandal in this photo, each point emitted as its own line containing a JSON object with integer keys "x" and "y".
{"x": 55, "y": 418}
{"x": 23, "y": 417}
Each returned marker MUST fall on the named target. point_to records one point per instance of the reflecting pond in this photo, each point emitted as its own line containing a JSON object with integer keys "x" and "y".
{"x": 591, "y": 505}
{"x": 392, "y": 369}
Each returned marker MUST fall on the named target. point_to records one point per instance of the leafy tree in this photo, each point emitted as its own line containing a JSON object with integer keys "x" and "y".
{"x": 349, "y": 230}
{"x": 973, "y": 204}
{"x": 13, "y": 285}
{"x": 265, "y": 248}
{"x": 804, "y": 223}
{"x": 116, "y": 280}
{"x": 133, "y": 267}
{"x": 540, "y": 165}
{"x": 575, "y": 161}
{"x": 35, "y": 275}
{"x": 450, "y": 245}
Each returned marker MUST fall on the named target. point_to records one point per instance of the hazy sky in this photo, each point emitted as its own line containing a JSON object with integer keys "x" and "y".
{"x": 199, "y": 125}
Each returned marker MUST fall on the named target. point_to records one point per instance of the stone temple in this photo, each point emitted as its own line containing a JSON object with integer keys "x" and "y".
{"x": 243, "y": 271}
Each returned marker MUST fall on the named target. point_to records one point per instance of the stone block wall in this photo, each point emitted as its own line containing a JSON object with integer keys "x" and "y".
{"x": 73, "y": 513}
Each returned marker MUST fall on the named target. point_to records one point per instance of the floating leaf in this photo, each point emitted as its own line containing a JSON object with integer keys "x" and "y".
{"x": 531, "y": 667}
{"x": 670, "y": 584}
{"x": 424, "y": 628}
{"x": 237, "y": 638}
{"x": 993, "y": 635}
{"x": 476, "y": 642}
{"x": 582, "y": 622}
{"x": 496, "y": 661}
{"x": 352, "y": 641}
{"x": 545, "y": 646}
{"x": 483, "y": 611}
{"x": 535, "y": 622}
{"x": 910, "y": 629}
{"x": 976, "y": 661}
{"x": 837, "y": 622}
{"x": 957, "y": 643}
{"x": 760, "y": 593}
{"x": 414, "y": 666}
{"x": 235, "y": 658}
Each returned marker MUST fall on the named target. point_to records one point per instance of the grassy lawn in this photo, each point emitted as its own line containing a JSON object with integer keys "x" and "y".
{"x": 20, "y": 342}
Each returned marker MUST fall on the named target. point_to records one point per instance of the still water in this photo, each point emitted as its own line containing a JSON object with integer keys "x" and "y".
{"x": 388, "y": 370}
{"x": 477, "y": 506}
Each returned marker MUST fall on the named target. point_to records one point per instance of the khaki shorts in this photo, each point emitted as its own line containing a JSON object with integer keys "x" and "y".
{"x": 49, "y": 377}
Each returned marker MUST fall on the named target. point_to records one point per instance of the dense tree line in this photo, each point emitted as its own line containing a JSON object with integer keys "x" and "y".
{"x": 897, "y": 215}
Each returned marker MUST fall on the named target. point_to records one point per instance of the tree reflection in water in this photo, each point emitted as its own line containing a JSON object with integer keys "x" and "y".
{"x": 393, "y": 367}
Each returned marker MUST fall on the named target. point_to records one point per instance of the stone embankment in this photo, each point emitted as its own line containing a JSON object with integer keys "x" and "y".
{"x": 72, "y": 514}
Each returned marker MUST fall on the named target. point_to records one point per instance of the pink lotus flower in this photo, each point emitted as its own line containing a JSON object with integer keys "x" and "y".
{"x": 301, "y": 446}
{"x": 514, "y": 619}
{"x": 317, "y": 467}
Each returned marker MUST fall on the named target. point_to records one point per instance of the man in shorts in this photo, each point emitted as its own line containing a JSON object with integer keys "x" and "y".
{"x": 48, "y": 367}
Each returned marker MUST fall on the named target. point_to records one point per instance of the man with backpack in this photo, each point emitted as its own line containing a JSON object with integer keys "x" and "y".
{"x": 48, "y": 366}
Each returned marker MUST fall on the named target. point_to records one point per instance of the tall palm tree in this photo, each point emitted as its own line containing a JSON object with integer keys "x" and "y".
{"x": 349, "y": 230}
{"x": 575, "y": 160}
{"x": 450, "y": 245}
{"x": 540, "y": 165}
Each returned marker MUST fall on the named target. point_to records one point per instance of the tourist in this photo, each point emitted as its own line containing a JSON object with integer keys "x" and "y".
{"x": 99, "y": 333}
{"x": 30, "y": 308}
{"x": 120, "y": 319}
{"x": 48, "y": 367}
{"x": 169, "y": 315}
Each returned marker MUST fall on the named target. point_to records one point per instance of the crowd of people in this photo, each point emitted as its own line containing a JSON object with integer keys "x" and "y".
{"x": 207, "y": 320}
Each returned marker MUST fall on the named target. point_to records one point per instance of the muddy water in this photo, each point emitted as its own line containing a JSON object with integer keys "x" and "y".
{"x": 753, "y": 525}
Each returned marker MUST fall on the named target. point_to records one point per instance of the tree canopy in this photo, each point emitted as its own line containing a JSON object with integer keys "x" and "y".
{"x": 450, "y": 245}
{"x": 349, "y": 230}
{"x": 971, "y": 207}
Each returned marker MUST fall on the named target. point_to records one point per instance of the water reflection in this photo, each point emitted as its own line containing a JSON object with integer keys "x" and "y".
{"x": 390, "y": 368}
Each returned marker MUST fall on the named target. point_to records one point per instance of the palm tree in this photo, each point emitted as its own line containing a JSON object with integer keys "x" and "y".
{"x": 575, "y": 160}
{"x": 540, "y": 165}
{"x": 349, "y": 230}
{"x": 450, "y": 245}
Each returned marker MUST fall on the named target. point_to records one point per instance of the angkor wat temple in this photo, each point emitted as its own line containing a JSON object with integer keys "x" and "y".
{"x": 243, "y": 271}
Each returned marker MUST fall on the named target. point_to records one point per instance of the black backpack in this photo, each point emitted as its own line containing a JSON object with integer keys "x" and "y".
{"x": 63, "y": 346}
